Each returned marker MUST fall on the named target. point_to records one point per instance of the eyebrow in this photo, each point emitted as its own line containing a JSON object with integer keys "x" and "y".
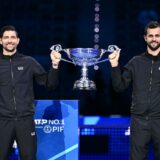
{"x": 10, "y": 36}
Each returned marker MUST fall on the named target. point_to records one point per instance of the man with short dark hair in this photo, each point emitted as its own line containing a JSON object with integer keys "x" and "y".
{"x": 17, "y": 73}
{"x": 143, "y": 71}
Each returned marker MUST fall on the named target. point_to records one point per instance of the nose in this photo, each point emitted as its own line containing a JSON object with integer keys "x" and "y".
{"x": 154, "y": 38}
{"x": 9, "y": 39}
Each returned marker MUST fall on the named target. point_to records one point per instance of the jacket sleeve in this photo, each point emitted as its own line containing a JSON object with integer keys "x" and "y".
{"x": 52, "y": 78}
{"x": 49, "y": 80}
{"x": 121, "y": 80}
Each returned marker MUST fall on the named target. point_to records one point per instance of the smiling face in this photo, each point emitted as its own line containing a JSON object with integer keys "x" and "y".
{"x": 152, "y": 39}
{"x": 9, "y": 42}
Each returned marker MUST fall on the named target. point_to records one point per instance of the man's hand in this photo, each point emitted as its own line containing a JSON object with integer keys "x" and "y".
{"x": 114, "y": 57}
{"x": 55, "y": 57}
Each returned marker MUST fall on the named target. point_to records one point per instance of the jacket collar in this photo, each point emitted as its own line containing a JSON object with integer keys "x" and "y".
{"x": 151, "y": 57}
{"x": 8, "y": 57}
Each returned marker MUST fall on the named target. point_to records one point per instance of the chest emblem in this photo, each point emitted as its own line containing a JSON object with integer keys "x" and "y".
{"x": 20, "y": 68}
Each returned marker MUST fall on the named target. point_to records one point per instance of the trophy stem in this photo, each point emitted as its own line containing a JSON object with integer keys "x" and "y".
{"x": 84, "y": 83}
{"x": 84, "y": 72}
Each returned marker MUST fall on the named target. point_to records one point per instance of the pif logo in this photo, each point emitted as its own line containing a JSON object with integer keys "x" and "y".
{"x": 47, "y": 129}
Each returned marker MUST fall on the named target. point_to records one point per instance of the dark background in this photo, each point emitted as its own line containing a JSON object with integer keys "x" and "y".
{"x": 42, "y": 23}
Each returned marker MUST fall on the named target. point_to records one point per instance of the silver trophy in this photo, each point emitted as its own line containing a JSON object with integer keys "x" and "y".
{"x": 85, "y": 57}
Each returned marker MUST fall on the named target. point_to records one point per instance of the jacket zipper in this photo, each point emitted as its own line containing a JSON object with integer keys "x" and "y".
{"x": 13, "y": 89}
{"x": 150, "y": 85}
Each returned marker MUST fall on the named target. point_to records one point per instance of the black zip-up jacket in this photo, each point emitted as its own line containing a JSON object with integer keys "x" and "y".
{"x": 143, "y": 72}
{"x": 17, "y": 74}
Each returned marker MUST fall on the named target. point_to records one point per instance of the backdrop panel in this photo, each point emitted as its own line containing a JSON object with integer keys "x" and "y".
{"x": 57, "y": 129}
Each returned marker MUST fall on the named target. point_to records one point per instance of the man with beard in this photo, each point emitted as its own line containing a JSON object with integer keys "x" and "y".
{"x": 17, "y": 73}
{"x": 143, "y": 72}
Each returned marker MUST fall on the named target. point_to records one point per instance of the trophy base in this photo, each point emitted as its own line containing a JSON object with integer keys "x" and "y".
{"x": 84, "y": 85}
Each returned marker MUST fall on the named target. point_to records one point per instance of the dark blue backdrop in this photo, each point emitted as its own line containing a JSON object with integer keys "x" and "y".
{"x": 71, "y": 24}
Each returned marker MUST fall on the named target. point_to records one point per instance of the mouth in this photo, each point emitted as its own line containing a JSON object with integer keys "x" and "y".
{"x": 154, "y": 43}
{"x": 10, "y": 45}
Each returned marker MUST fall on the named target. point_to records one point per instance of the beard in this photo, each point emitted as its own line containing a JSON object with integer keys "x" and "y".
{"x": 153, "y": 48}
{"x": 9, "y": 49}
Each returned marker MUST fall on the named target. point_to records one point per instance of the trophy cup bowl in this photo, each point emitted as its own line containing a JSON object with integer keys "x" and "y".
{"x": 80, "y": 56}
{"x": 84, "y": 57}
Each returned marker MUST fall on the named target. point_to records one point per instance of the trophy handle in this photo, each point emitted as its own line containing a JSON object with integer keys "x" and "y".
{"x": 111, "y": 48}
{"x": 102, "y": 52}
{"x": 58, "y": 48}
{"x": 68, "y": 53}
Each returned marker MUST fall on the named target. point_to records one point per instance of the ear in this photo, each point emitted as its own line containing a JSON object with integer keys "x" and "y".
{"x": 0, "y": 41}
{"x": 18, "y": 40}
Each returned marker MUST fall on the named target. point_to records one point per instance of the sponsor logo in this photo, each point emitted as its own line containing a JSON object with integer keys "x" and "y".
{"x": 20, "y": 68}
{"x": 47, "y": 129}
{"x": 33, "y": 133}
{"x": 50, "y": 126}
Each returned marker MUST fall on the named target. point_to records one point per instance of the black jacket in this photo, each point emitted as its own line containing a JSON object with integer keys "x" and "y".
{"x": 143, "y": 72}
{"x": 17, "y": 74}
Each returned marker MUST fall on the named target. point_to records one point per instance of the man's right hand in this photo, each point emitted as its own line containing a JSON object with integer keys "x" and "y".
{"x": 55, "y": 57}
{"x": 114, "y": 57}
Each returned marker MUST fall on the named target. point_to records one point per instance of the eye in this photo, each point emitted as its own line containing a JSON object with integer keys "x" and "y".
{"x": 13, "y": 37}
{"x": 150, "y": 36}
{"x": 5, "y": 37}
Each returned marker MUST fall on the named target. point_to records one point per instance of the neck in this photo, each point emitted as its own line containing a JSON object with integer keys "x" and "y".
{"x": 8, "y": 53}
{"x": 153, "y": 53}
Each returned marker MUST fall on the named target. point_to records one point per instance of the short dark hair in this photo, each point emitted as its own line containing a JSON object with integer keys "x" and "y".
{"x": 151, "y": 25}
{"x": 7, "y": 28}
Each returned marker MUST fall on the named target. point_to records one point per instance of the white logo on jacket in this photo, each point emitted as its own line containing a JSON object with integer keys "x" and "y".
{"x": 20, "y": 68}
{"x": 33, "y": 133}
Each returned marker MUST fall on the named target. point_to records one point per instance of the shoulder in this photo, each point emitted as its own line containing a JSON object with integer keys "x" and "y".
{"x": 26, "y": 58}
{"x": 137, "y": 58}
{"x": 134, "y": 61}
